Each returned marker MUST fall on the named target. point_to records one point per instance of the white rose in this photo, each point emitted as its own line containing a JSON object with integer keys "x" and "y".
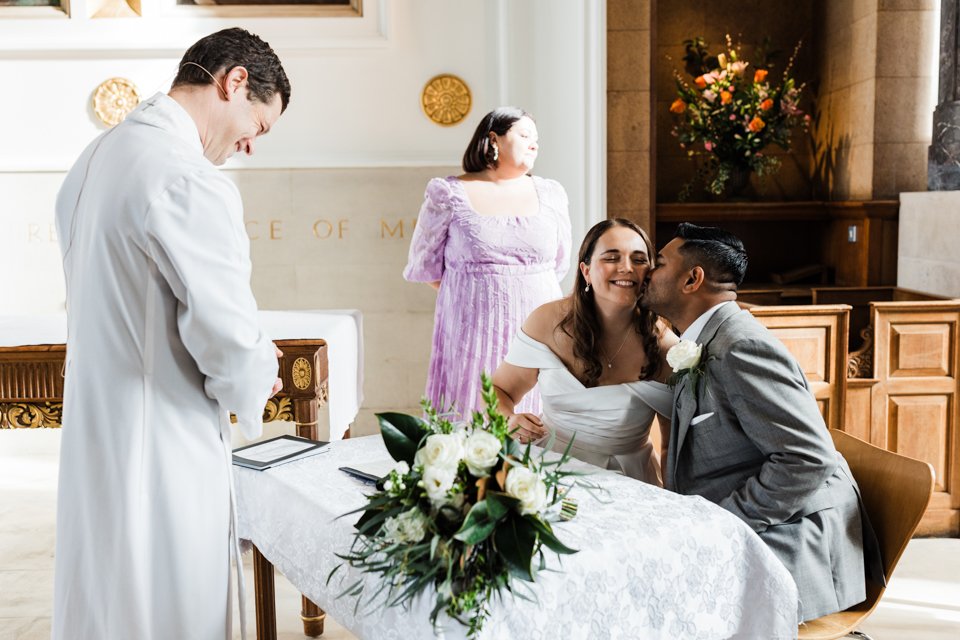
{"x": 528, "y": 488}
{"x": 437, "y": 481}
{"x": 441, "y": 450}
{"x": 412, "y": 524}
{"x": 391, "y": 529}
{"x": 481, "y": 451}
{"x": 684, "y": 355}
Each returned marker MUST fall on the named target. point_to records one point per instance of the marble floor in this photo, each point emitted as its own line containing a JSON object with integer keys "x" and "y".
{"x": 922, "y": 602}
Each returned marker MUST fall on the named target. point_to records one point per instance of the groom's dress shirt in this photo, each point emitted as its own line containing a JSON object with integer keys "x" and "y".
{"x": 693, "y": 331}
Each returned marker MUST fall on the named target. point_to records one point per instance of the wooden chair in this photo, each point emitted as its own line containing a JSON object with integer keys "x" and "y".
{"x": 895, "y": 491}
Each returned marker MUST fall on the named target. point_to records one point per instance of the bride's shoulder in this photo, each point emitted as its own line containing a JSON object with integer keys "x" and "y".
{"x": 542, "y": 323}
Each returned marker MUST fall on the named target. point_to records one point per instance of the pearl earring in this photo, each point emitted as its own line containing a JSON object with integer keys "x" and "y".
{"x": 496, "y": 153}
{"x": 586, "y": 289}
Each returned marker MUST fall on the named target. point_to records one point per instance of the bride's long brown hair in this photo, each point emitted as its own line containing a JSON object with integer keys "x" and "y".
{"x": 582, "y": 322}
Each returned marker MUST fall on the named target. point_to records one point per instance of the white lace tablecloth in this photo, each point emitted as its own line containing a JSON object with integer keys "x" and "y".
{"x": 652, "y": 564}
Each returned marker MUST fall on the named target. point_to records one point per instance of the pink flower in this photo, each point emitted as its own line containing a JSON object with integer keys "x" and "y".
{"x": 709, "y": 96}
{"x": 733, "y": 116}
{"x": 708, "y": 145}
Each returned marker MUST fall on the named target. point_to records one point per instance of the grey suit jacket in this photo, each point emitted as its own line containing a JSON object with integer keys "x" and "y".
{"x": 761, "y": 450}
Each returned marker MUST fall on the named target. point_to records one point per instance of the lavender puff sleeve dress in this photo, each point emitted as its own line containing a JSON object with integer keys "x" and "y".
{"x": 493, "y": 272}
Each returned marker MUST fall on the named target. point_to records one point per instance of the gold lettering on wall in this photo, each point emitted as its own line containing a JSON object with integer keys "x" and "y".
{"x": 328, "y": 229}
{"x": 385, "y": 229}
{"x": 34, "y": 233}
{"x": 323, "y": 229}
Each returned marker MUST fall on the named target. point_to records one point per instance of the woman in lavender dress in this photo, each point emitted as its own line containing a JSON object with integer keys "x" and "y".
{"x": 495, "y": 243}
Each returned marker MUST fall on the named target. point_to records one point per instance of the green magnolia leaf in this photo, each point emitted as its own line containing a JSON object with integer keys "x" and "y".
{"x": 483, "y": 518}
{"x": 362, "y": 523}
{"x": 402, "y": 434}
{"x": 515, "y": 539}
{"x": 547, "y": 536}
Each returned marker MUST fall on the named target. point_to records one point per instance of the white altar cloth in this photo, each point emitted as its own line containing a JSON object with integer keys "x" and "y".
{"x": 341, "y": 328}
{"x": 652, "y": 564}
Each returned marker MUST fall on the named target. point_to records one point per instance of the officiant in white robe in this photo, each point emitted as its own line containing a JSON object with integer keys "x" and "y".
{"x": 163, "y": 341}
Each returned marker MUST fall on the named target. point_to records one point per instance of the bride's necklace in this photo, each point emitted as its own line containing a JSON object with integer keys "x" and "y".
{"x": 622, "y": 342}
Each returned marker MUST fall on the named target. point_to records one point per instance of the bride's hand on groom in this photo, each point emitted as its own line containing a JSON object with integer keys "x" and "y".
{"x": 526, "y": 427}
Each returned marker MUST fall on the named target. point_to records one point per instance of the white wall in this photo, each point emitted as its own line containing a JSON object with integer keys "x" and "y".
{"x": 354, "y": 113}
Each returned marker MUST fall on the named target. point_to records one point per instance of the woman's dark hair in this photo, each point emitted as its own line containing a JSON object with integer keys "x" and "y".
{"x": 719, "y": 252}
{"x": 479, "y": 153}
{"x": 582, "y": 322}
{"x": 223, "y": 51}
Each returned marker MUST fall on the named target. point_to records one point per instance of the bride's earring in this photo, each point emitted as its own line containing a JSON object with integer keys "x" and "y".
{"x": 496, "y": 153}
{"x": 586, "y": 289}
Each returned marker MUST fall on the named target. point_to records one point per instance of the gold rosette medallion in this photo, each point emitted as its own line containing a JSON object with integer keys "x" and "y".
{"x": 446, "y": 100}
{"x": 301, "y": 373}
{"x": 114, "y": 99}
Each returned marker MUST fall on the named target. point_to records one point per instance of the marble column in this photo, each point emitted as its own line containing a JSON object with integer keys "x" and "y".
{"x": 943, "y": 164}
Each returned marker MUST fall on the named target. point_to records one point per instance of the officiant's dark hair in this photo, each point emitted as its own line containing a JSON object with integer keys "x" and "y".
{"x": 719, "y": 252}
{"x": 223, "y": 51}
{"x": 479, "y": 153}
{"x": 582, "y": 321}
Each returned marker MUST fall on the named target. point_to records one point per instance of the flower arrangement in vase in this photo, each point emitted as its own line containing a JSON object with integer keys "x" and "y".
{"x": 730, "y": 113}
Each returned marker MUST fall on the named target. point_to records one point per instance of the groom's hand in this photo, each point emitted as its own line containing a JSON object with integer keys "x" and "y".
{"x": 526, "y": 427}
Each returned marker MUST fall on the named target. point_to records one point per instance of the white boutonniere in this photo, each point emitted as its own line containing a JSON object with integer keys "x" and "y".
{"x": 688, "y": 359}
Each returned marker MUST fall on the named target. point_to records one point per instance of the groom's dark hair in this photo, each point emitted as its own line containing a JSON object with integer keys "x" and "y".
{"x": 719, "y": 252}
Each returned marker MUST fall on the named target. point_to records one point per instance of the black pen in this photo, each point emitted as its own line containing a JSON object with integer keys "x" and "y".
{"x": 360, "y": 475}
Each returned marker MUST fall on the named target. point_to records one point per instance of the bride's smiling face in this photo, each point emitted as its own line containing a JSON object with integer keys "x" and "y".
{"x": 618, "y": 266}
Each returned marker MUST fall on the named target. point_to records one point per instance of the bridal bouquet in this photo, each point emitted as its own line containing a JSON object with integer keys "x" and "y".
{"x": 731, "y": 112}
{"x": 464, "y": 511}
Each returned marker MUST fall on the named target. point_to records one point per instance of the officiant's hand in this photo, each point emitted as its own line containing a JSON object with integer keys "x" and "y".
{"x": 278, "y": 383}
{"x": 526, "y": 427}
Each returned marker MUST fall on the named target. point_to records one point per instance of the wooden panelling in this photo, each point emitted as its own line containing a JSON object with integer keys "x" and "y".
{"x": 914, "y": 401}
{"x": 810, "y": 346}
{"x": 817, "y": 338}
{"x": 816, "y": 232}
{"x": 916, "y": 427}
{"x": 856, "y": 420}
{"x": 920, "y": 350}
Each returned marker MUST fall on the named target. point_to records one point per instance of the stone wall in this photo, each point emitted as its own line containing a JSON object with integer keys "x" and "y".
{"x": 876, "y": 96}
{"x": 629, "y": 163}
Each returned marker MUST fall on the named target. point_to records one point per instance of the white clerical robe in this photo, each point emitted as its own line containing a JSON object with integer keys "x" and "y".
{"x": 163, "y": 341}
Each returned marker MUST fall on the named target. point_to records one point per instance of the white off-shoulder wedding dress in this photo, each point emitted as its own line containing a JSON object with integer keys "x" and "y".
{"x": 611, "y": 423}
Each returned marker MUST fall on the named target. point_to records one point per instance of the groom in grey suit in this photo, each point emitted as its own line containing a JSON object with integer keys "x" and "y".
{"x": 747, "y": 433}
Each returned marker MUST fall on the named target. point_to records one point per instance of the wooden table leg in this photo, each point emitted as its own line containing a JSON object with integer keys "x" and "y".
{"x": 264, "y": 597}
{"x": 313, "y": 617}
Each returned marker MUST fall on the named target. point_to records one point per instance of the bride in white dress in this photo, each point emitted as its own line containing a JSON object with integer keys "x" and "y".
{"x": 599, "y": 359}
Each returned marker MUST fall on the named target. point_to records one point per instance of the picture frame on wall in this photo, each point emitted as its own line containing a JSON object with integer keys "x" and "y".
{"x": 34, "y": 8}
{"x": 271, "y": 8}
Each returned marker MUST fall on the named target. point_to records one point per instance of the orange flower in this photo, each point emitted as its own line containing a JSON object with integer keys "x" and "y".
{"x": 701, "y": 82}
{"x": 760, "y": 75}
{"x": 678, "y": 106}
{"x": 726, "y": 97}
{"x": 756, "y": 124}
{"x": 766, "y": 105}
